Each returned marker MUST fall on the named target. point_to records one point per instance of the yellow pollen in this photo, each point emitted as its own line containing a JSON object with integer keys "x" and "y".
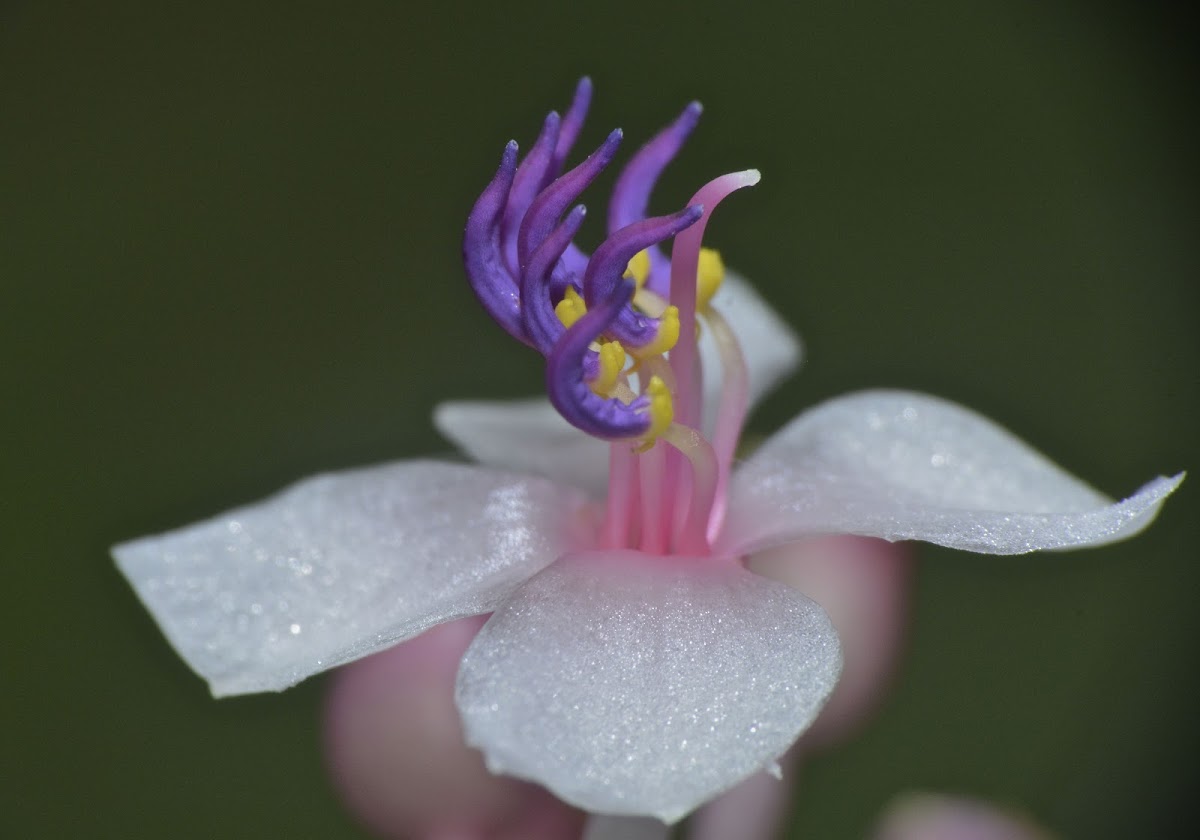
{"x": 638, "y": 269}
{"x": 709, "y": 274}
{"x": 664, "y": 339}
{"x": 571, "y": 308}
{"x": 661, "y": 409}
{"x": 612, "y": 362}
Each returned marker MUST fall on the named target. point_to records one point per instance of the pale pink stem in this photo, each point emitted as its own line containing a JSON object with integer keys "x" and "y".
{"x": 699, "y": 452}
{"x": 622, "y": 494}
{"x": 685, "y": 262}
{"x": 678, "y": 481}
{"x": 731, "y": 411}
{"x": 650, "y": 469}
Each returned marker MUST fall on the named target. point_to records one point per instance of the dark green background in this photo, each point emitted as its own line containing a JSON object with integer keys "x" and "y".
{"x": 228, "y": 258}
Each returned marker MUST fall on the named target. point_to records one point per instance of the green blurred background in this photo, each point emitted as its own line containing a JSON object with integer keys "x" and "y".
{"x": 228, "y": 258}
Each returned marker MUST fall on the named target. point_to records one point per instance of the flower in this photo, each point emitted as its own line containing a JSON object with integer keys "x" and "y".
{"x": 632, "y": 664}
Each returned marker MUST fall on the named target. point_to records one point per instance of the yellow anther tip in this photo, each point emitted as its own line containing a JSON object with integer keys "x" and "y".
{"x": 662, "y": 408}
{"x": 709, "y": 274}
{"x": 664, "y": 339}
{"x": 612, "y": 362}
{"x": 639, "y": 268}
{"x": 571, "y": 308}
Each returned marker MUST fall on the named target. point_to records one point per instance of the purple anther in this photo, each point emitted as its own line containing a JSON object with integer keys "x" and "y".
{"x": 537, "y": 300}
{"x": 544, "y": 212}
{"x": 483, "y": 253}
{"x": 607, "y": 268}
{"x": 609, "y": 261}
{"x": 573, "y": 264}
{"x": 631, "y": 195}
{"x": 532, "y": 177}
{"x": 571, "y": 124}
{"x": 567, "y": 386}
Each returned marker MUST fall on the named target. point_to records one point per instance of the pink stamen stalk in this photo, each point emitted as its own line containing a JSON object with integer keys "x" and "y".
{"x": 657, "y": 511}
{"x": 677, "y": 481}
{"x": 622, "y": 495}
{"x": 699, "y": 453}
{"x": 651, "y": 466}
{"x": 731, "y": 413}
{"x": 685, "y": 264}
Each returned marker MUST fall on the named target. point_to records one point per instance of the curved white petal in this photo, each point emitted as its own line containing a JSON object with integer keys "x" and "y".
{"x": 638, "y": 685}
{"x": 901, "y": 466}
{"x": 771, "y": 348}
{"x": 342, "y": 565}
{"x": 528, "y": 436}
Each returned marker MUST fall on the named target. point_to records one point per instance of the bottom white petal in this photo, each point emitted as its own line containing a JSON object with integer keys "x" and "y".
{"x": 638, "y": 685}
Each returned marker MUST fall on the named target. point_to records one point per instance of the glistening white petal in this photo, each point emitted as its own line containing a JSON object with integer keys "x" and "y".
{"x": 342, "y": 565}
{"x": 901, "y": 466}
{"x": 639, "y": 685}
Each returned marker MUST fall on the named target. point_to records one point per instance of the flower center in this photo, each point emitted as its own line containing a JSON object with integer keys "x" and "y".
{"x": 618, "y": 328}
{"x": 672, "y": 499}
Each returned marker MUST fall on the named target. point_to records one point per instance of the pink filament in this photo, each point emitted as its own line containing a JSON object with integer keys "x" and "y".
{"x": 655, "y": 532}
{"x": 622, "y": 495}
{"x": 652, "y": 500}
{"x": 693, "y": 539}
{"x": 731, "y": 413}
{"x": 685, "y": 263}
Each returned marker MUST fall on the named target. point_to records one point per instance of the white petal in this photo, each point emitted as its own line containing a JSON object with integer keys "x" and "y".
{"x": 771, "y": 348}
{"x": 637, "y": 685}
{"x": 901, "y": 466}
{"x": 342, "y": 565}
{"x": 528, "y": 436}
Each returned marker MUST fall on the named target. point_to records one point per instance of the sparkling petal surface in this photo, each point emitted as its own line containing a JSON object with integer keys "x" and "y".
{"x": 902, "y": 465}
{"x": 342, "y": 565}
{"x": 636, "y": 685}
{"x": 771, "y": 348}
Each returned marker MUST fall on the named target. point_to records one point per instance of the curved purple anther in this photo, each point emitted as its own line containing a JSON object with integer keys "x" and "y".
{"x": 609, "y": 261}
{"x": 537, "y": 299}
{"x": 570, "y": 271}
{"x": 571, "y": 124}
{"x": 551, "y": 202}
{"x": 531, "y": 178}
{"x": 607, "y": 268}
{"x": 483, "y": 255}
{"x": 567, "y": 387}
{"x": 631, "y": 195}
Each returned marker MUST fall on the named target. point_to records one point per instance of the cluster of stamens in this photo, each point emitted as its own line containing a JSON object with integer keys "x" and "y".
{"x": 617, "y": 328}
